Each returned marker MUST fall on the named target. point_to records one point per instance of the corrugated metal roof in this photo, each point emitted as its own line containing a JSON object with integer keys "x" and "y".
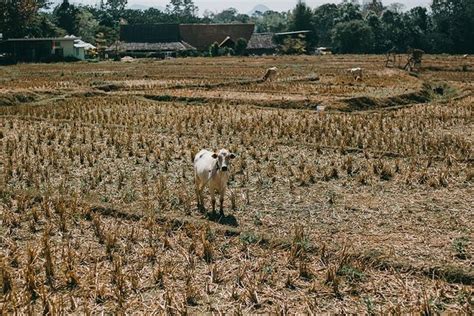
{"x": 292, "y": 33}
{"x": 81, "y": 44}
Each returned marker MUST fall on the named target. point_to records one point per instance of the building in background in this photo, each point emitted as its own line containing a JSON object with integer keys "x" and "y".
{"x": 83, "y": 50}
{"x": 149, "y": 40}
{"x": 44, "y": 49}
{"x": 262, "y": 44}
{"x": 202, "y": 36}
{"x": 155, "y": 40}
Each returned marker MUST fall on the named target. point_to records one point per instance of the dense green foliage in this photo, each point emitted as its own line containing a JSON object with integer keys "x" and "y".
{"x": 214, "y": 50}
{"x": 352, "y": 37}
{"x": 240, "y": 46}
{"x": 301, "y": 19}
{"x": 294, "y": 46}
{"x": 347, "y": 27}
{"x": 374, "y": 28}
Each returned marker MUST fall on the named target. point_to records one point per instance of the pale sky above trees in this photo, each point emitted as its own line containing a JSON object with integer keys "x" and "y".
{"x": 245, "y": 6}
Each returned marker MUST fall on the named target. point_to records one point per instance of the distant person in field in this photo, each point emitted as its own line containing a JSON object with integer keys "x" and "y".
{"x": 270, "y": 74}
{"x": 356, "y": 73}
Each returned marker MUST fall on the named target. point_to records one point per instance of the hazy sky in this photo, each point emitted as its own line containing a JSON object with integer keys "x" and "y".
{"x": 247, "y": 5}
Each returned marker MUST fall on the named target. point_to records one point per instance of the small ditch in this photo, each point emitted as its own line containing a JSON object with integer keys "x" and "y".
{"x": 11, "y": 99}
{"x": 428, "y": 93}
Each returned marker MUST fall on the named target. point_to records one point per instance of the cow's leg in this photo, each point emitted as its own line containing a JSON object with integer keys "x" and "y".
{"x": 199, "y": 190}
{"x": 221, "y": 200}
{"x": 200, "y": 199}
{"x": 213, "y": 199}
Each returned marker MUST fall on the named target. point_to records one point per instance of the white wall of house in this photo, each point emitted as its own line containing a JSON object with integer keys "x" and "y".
{"x": 80, "y": 53}
{"x": 66, "y": 45}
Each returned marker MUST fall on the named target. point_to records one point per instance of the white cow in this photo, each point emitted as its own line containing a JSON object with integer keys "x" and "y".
{"x": 356, "y": 73}
{"x": 270, "y": 74}
{"x": 212, "y": 169}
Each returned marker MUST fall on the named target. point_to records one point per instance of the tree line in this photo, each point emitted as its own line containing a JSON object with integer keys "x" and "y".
{"x": 447, "y": 26}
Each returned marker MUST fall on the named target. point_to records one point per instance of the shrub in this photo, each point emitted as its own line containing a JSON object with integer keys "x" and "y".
{"x": 240, "y": 46}
{"x": 214, "y": 50}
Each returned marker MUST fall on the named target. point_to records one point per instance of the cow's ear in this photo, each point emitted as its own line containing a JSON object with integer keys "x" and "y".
{"x": 214, "y": 155}
{"x": 232, "y": 155}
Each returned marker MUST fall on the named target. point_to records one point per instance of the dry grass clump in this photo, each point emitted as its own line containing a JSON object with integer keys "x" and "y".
{"x": 327, "y": 211}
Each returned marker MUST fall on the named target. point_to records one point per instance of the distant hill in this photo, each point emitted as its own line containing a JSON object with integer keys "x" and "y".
{"x": 260, "y": 7}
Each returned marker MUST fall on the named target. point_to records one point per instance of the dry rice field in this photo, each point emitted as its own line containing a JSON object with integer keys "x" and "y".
{"x": 346, "y": 196}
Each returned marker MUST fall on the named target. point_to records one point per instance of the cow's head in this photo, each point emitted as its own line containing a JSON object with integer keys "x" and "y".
{"x": 223, "y": 158}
